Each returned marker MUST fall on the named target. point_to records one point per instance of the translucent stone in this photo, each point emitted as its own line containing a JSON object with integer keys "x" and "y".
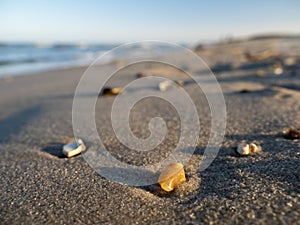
{"x": 171, "y": 176}
{"x": 74, "y": 148}
{"x": 243, "y": 149}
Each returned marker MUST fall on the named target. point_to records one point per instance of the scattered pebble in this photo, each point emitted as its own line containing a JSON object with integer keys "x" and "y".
{"x": 74, "y": 148}
{"x": 292, "y": 134}
{"x": 171, "y": 176}
{"x": 142, "y": 74}
{"x": 277, "y": 69}
{"x": 167, "y": 84}
{"x": 112, "y": 91}
{"x": 247, "y": 149}
{"x": 290, "y": 61}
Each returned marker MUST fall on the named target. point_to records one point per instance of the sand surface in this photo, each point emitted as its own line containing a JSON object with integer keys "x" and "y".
{"x": 39, "y": 186}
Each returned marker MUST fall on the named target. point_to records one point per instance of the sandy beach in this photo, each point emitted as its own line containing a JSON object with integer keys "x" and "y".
{"x": 40, "y": 186}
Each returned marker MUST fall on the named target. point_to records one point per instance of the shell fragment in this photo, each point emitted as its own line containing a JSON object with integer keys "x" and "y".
{"x": 165, "y": 85}
{"x": 168, "y": 84}
{"x": 74, "y": 148}
{"x": 248, "y": 149}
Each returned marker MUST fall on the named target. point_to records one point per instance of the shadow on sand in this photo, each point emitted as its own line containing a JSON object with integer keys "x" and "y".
{"x": 13, "y": 124}
{"x": 55, "y": 149}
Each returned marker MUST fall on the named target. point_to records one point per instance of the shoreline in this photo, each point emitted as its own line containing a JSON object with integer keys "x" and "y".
{"x": 44, "y": 71}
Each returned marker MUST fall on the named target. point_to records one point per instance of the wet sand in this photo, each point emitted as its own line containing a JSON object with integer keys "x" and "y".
{"x": 38, "y": 185}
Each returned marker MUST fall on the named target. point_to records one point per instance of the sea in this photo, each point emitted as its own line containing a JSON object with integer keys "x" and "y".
{"x": 27, "y": 58}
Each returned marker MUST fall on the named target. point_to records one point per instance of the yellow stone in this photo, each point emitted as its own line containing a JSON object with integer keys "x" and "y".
{"x": 112, "y": 91}
{"x": 116, "y": 90}
{"x": 171, "y": 176}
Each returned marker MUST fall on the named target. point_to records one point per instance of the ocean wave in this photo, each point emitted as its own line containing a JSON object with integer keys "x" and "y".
{"x": 11, "y": 62}
{"x": 16, "y": 58}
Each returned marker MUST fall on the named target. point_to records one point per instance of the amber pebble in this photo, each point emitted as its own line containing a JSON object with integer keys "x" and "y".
{"x": 171, "y": 176}
{"x": 111, "y": 91}
{"x": 254, "y": 148}
{"x": 116, "y": 91}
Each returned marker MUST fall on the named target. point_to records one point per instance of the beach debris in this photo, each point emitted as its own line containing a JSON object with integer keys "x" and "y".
{"x": 292, "y": 134}
{"x": 142, "y": 74}
{"x": 245, "y": 149}
{"x": 277, "y": 68}
{"x": 171, "y": 176}
{"x": 167, "y": 84}
{"x": 74, "y": 148}
{"x": 112, "y": 91}
{"x": 290, "y": 61}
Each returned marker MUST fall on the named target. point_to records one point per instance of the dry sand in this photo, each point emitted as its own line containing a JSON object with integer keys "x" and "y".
{"x": 39, "y": 186}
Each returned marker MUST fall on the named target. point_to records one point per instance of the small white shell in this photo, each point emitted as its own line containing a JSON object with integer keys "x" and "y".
{"x": 165, "y": 85}
{"x": 246, "y": 149}
{"x": 243, "y": 149}
{"x": 278, "y": 70}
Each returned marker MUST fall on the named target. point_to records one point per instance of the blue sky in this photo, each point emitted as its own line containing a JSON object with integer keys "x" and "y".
{"x": 113, "y": 21}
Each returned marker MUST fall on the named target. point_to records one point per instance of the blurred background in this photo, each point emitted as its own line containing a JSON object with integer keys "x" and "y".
{"x": 43, "y": 35}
